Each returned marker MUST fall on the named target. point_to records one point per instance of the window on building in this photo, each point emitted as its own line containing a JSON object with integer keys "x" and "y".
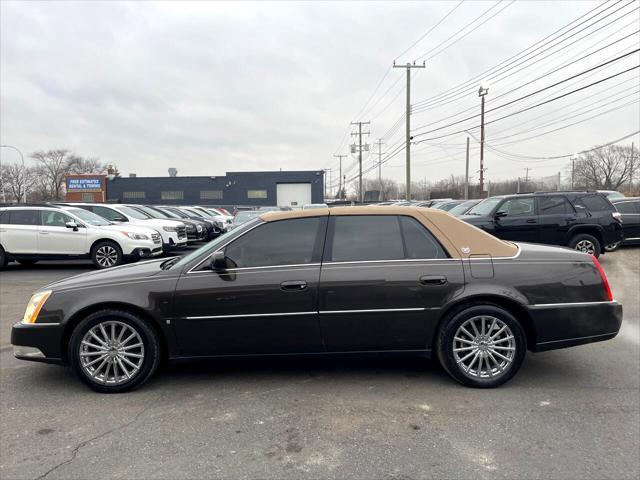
{"x": 172, "y": 195}
{"x": 287, "y": 242}
{"x": 210, "y": 194}
{"x": 132, "y": 195}
{"x": 88, "y": 197}
{"x": 256, "y": 194}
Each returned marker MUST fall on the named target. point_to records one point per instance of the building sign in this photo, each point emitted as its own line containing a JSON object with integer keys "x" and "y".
{"x": 88, "y": 184}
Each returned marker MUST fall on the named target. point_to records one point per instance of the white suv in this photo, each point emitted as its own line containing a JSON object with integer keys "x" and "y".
{"x": 173, "y": 232}
{"x": 32, "y": 233}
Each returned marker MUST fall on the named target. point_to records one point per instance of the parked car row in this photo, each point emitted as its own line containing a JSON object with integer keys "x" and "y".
{"x": 588, "y": 221}
{"x": 107, "y": 234}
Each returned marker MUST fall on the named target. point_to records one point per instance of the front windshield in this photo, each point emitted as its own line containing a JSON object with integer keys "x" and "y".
{"x": 485, "y": 207}
{"x": 461, "y": 208}
{"x": 615, "y": 195}
{"x": 447, "y": 206}
{"x": 194, "y": 212}
{"x": 152, "y": 213}
{"x": 243, "y": 217}
{"x": 133, "y": 213}
{"x": 167, "y": 213}
{"x": 178, "y": 212}
{"x": 210, "y": 247}
{"x": 89, "y": 217}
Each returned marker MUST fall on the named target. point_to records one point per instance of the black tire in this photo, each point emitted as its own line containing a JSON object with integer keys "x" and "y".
{"x": 106, "y": 254}
{"x": 150, "y": 352}
{"x": 27, "y": 262}
{"x": 493, "y": 376}
{"x": 583, "y": 242}
{"x": 3, "y": 259}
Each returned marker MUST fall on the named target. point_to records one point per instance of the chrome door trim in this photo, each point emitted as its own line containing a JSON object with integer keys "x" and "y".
{"x": 572, "y": 304}
{"x": 377, "y": 310}
{"x": 250, "y": 315}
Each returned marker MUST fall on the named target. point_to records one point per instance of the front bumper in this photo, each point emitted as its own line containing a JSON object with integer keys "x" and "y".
{"x": 569, "y": 324}
{"x": 38, "y": 342}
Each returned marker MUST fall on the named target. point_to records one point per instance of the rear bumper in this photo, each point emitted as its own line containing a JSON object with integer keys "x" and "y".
{"x": 564, "y": 325}
{"x": 38, "y": 342}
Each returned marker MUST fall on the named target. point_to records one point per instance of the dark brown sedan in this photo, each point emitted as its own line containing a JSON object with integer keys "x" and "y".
{"x": 341, "y": 281}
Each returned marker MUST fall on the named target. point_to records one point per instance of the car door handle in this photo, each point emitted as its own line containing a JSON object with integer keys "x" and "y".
{"x": 532, "y": 220}
{"x": 293, "y": 285}
{"x": 433, "y": 280}
{"x": 571, "y": 219}
{"x": 42, "y": 232}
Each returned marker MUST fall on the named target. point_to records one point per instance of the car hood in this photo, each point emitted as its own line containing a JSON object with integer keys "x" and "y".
{"x": 129, "y": 228}
{"x": 123, "y": 273}
{"x": 159, "y": 222}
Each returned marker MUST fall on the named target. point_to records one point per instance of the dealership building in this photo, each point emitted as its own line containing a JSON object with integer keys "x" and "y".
{"x": 282, "y": 188}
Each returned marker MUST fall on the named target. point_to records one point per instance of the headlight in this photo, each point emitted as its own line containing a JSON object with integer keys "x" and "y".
{"x": 170, "y": 229}
{"x": 136, "y": 236}
{"x": 199, "y": 228}
{"x": 33, "y": 307}
{"x": 218, "y": 224}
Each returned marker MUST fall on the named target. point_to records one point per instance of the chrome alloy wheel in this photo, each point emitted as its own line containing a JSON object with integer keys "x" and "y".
{"x": 612, "y": 246}
{"x": 111, "y": 353}
{"x": 484, "y": 347}
{"x": 586, "y": 246}
{"x": 106, "y": 256}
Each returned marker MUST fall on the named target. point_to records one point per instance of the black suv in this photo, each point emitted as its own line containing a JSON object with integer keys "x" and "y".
{"x": 586, "y": 221}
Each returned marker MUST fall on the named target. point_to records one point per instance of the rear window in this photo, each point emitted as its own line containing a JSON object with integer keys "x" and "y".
{"x": 595, "y": 203}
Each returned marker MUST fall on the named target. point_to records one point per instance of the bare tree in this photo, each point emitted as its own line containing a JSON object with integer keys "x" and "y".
{"x": 79, "y": 165}
{"x": 606, "y": 168}
{"x": 17, "y": 180}
{"x": 53, "y": 166}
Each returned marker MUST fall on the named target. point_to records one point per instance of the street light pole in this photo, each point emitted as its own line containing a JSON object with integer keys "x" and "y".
{"x": 482, "y": 91}
{"x": 4, "y": 198}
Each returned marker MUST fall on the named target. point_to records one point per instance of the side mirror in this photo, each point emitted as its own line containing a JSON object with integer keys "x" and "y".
{"x": 73, "y": 225}
{"x": 501, "y": 214}
{"x": 218, "y": 261}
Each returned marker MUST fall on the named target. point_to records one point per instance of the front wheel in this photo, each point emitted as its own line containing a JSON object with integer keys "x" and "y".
{"x": 612, "y": 247}
{"x": 3, "y": 259}
{"x": 481, "y": 346}
{"x": 114, "y": 351}
{"x": 106, "y": 255}
{"x": 583, "y": 242}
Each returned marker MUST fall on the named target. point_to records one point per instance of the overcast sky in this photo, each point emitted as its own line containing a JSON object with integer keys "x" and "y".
{"x": 210, "y": 87}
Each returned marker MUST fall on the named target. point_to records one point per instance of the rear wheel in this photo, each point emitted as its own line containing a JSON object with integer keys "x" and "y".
{"x": 106, "y": 255}
{"x": 481, "y": 346}
{"x": 583, "y": 242}
{"x": 113, "y": 351}
{"x": 612, "y": 247}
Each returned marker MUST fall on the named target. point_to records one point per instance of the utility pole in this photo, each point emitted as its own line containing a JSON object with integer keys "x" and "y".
{"x": 573, "y": 170}
{"x": 408, "y": 66}
{"x": 340, "y": 175}
{"x": 633, "y": 165}
{"x": 379, "y": 143}
{"x": 359, "y": 133}
{"x": 526, "y": 176}
{"x": 466, "y": 174}
{"x": 518, "y": 187}
{"x": 482, "y": 92}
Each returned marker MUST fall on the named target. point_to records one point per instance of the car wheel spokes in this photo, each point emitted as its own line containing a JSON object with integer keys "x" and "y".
{"x": 111, "y": 353}
{"x": 484, "y": 347}
{"x": 586, "y": 246}
{"x": 106, "y": 256}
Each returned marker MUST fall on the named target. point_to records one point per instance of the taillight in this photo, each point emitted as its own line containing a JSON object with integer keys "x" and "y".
{"x": 607, "y": 287}
{"x": 617, "y": 216}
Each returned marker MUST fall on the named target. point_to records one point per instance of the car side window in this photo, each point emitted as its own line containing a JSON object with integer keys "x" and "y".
{"x": 54, "y": 219}
{"x": 362, "y": 237}
{"x": 596, "y": 203}
{"x": 284, "y": 242}
{"x": 555, "y": 205}
{"x": 24, "y": 217}
{"x": 518, "y": 206}
{"x": 628, "y": 207}
{"x": 419, "y": 242}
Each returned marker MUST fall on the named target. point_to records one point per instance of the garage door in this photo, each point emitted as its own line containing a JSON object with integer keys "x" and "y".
{"x": 293, "y": 194}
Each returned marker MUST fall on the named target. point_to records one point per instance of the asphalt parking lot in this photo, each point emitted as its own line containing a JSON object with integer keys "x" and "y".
{"x": 571, "y": 413}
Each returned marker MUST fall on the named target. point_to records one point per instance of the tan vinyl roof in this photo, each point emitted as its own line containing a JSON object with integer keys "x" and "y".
{"x": 459, "y": 238}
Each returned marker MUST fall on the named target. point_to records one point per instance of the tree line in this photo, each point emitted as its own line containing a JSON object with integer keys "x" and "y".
{"x": 45, "y": 179}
